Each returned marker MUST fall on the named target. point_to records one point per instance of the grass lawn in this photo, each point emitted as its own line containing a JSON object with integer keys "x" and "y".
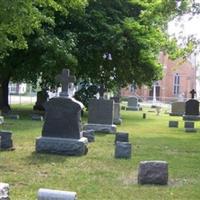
{"x": 98, "y": 176}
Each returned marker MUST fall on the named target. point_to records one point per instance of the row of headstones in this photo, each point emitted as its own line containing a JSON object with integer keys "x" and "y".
{"x": 188, "y": 125}
{"x": 149, "y": 172}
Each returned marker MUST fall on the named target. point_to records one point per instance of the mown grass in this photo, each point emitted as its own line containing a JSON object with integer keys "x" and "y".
{"x": 98, "y": 176}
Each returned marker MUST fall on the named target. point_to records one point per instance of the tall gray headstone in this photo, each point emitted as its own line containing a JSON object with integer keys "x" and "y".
{"x": 61, "y": 130}
{"x": 100, "y": 116}
{"x": 177, "y": 109}
{"x": 133, "y": 104}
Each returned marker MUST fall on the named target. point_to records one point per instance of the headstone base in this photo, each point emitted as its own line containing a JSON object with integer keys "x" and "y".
{"x": 101, "y": 127}
{"x": 191, "y": 117}
{"x": 190, "y": 130}
{"x": 176, "y": 114}
{"x": 132, "y": 108}
{"x": 62, "y": 146}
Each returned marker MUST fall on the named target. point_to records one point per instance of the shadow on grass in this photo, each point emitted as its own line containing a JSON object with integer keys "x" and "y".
{"x": 43, "y": 158}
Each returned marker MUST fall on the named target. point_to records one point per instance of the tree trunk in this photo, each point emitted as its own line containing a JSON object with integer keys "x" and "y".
{"x": 4, "y": 104}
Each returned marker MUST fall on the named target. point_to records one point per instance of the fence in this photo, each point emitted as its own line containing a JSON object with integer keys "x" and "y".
{"x": 21, "y": 99}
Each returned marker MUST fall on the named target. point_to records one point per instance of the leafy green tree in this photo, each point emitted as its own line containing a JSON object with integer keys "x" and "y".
{"x": 41, "y": 50}
{"x": 119, "y": 41}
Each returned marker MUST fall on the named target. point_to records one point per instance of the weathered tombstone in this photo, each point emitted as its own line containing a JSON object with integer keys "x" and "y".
{"x": 123, "y": 150}
{"x": 48, "y": 194}
{"x": 116, "y": 118}
{"x": 6, "y": 140}
{"x": 153, "y": 172}
{"x": 133, "y": 104}
{"x": 89, "y": 134}
{"x": 42, "y": 98}
{"x": 4, "y": 191}
{"x": 192, "y": 109}
{"x": 189, "y": 127}
{"x": 121, "y": 137}
{"x": 173, "y": 124}
{"x": 61, "y": 130}
{"x": 177, "y": 109}
{"x": 100, "y": 116}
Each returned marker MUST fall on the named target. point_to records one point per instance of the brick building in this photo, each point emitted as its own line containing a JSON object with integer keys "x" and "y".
{"x": 179, "y": 78}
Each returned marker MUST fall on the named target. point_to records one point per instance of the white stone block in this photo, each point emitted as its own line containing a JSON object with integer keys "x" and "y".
{"x": 48, "y": 194}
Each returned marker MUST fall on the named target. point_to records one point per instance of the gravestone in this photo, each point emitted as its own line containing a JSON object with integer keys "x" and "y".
{"x": 6, "y": 140}
{"x": 100, "y": 116}
{"x": 192, "y": 109}
{"x": 61, "y": 132}
{"x": 133, "y": 104}
{"x": 121, "y": 137}
{"x": 177, "y": 109}
{"x": 89, "y": 134}
{"x": 173, "y": 124}
{"x": 116, "y": 118}
{"x": 4, "y": 191}
{"x": 189, "y": 127}
{"x": 42, "y": 98}
{"x": 48, "y": 194}
{"x": 153, "y": 172}
{"x": 123, "y": 150}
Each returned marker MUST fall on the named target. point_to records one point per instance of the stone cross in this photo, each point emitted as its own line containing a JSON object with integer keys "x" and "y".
{"x": 192, "y": 92}
{"x": 64, "y": 78}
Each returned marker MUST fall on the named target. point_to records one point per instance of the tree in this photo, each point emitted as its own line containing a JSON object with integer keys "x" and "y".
{"x": 35, "y": 51}
{"x": 119, "y": 41}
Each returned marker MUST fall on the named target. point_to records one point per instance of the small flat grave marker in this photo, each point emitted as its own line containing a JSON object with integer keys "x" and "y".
{"x": 48, "y": 194}
{"x": 173, "y": 124}
{"x": 153, "y": 172}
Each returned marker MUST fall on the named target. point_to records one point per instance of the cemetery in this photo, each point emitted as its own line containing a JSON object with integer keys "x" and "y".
{"x": 114, "y": 91}
{"x": 105, "y": 172}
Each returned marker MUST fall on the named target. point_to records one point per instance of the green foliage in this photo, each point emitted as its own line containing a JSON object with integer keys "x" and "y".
{"x": 133, "y": 32}
{"x": 85, "y": 93}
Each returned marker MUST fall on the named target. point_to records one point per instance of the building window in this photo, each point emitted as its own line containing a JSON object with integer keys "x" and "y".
{"x": 176, "y": 84}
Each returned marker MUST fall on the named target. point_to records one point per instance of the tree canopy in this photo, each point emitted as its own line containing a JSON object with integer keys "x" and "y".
{"x": 103, "y": 42}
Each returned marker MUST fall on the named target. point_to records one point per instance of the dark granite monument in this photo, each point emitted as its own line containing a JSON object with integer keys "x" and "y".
{"x": 6, "y": 140}
{"x": 100, "y": 116}
{"x": 192, "y": 108}
{"x": 42, "y": 98}
{"x": 61, "y": 130}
